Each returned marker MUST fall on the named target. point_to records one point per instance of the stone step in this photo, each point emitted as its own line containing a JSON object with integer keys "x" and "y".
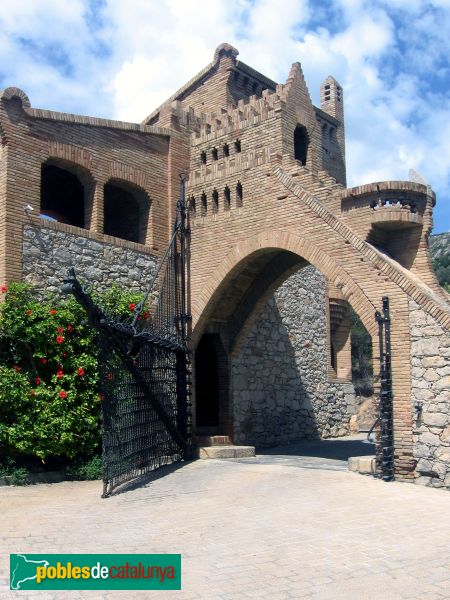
{"x": 362, "y": 464}
{"x": 213, "y": 440}
{"x": 206, "y": 452}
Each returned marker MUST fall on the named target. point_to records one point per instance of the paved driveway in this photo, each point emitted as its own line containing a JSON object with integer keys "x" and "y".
{"x": 277, "y": 526}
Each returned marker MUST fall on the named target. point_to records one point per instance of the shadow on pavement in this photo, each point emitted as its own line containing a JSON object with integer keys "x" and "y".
{"x": 336, "y": 449}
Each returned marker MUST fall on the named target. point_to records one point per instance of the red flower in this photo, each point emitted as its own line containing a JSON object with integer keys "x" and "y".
{"x": 29, "y": 313}
{"x": 80, "y": 372}
{"x": 43, "y": 361}
{"x": 59, "y": 374}
{"x": 3, "y": 289}
{"x": 38, "y": 381}
{"x": 62, "y": 394}
{"x": 60, "y": 329}
{"x": 145, "y": 314}
{"x": 59, "y": 339}
{"x": 53, "y": 311}
{"x": 69, "y": 327}
{"x": 132, "y": 307}
{"x": 17, "y": 369}
{"x": 109, "y": 376}
{"x": 65, "y": 355}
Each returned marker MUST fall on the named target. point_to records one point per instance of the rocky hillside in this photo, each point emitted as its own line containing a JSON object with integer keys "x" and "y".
{"x": 439, "y": 245}
{"x": 440, "y": 254}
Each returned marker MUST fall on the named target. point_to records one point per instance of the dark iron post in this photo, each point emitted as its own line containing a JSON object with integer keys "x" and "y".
{"x": 386, "y": 455}
{"x": 183, "y": 392}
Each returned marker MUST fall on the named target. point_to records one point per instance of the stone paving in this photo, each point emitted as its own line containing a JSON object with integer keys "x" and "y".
{"x": 277, "y": 526}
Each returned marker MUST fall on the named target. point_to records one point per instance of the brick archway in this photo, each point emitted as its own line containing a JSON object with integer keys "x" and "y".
{"x": 210, "y": 293}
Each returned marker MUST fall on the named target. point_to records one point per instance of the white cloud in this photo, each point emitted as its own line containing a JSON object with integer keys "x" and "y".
{"x": 122, "y": 59}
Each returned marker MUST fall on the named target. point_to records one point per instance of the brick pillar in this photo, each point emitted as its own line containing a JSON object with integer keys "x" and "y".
{"x": 94, "y": 199}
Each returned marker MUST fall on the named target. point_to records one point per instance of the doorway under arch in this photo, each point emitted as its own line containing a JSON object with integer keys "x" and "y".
{"x": 212, "y": 391}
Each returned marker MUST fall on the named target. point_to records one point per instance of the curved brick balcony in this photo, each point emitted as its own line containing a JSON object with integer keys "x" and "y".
{"x": 388, "y": 205}
{"x": 396, "y": 216}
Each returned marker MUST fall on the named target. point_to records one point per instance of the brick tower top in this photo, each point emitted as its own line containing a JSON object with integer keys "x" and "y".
{"x": 332, "y": 98}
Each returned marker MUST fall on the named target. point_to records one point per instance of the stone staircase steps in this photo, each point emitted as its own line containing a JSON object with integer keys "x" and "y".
{"x": 220, "y": 446}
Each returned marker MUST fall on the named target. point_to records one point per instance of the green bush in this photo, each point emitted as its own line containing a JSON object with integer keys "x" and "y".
{"x": 441, "y": 266}
{"x": 19, "y": 476}
{"x": 8, "y": 468}
{"x": 361, "y": 350}
{"x": 49, "y": 399}
{"x": 92, "y": 469}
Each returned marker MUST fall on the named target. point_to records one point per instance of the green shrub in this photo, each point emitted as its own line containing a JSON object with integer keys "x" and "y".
{"x": 92, "y": 469}
{"x": 49, "y": 399}
{"x": 19, "y": 476}
{"x": 8, "y": 468}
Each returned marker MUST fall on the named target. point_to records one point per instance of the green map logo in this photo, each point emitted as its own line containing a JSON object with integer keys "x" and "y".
{"x": 23, "y": 570}
{"x": 95, "y": 571}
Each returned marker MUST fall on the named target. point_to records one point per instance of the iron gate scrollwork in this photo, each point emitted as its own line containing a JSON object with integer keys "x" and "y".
{"x": 386, "y": 437}
{"x": 144, "y": 369}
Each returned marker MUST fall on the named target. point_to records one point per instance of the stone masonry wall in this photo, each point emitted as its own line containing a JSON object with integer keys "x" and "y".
{"x": 279, "y": 380}
{"x": 48, "y": 253}
{"x": 430, "y": 361}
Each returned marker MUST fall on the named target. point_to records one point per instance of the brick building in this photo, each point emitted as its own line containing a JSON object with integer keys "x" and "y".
{"x": 279, "y": 249}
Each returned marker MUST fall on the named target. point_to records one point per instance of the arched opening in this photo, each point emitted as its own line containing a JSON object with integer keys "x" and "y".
{"x": 211, "y": 376}
{"x": 226, "y": 198}
{"x": 239, "y": 194}
{"x": 126, "y": 212}
{"x": 192, "y": 207}
{"x": 272, "y": 311}
{"x": 301, "y": 143}
{"x": 62, "y": 195}
{"x": 203, "y": 205}
{"x": 215, "y": 201}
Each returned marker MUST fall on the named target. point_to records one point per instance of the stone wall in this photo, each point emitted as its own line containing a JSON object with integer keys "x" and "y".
{"x": 430, "y": 360}
{"x": 279, "y": 380}
{"x": 48, "y": 253}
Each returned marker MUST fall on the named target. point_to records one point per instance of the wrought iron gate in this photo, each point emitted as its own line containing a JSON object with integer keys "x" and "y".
{"x": 386, "y": 439}
{"x": 144, "y": 370}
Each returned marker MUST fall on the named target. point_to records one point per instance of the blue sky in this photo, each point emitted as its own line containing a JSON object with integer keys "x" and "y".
{"x": 120, "y": 59}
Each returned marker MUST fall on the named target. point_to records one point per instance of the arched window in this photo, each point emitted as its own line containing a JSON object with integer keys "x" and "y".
{"x": 226, "y": 198}
{"x": 215, "y": 201}
{"x": 126, "y": 212}
{"x": 301, "y": 143}
{"x": 204, "y": 205}
{"x": 192, "y": 207}
{"x": 62, "y": 195}
{"x": 239, "y": 194}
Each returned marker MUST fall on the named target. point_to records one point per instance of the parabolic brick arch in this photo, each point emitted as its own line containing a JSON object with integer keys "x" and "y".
{"x": 280, "y": 249}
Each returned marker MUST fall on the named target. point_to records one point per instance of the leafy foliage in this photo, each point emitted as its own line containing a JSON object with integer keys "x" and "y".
{"x": 49, "y": 400}
{"x": 361, "y": 345}
{"x": 92, "y": 469}
{"x": 441, "y": 265}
